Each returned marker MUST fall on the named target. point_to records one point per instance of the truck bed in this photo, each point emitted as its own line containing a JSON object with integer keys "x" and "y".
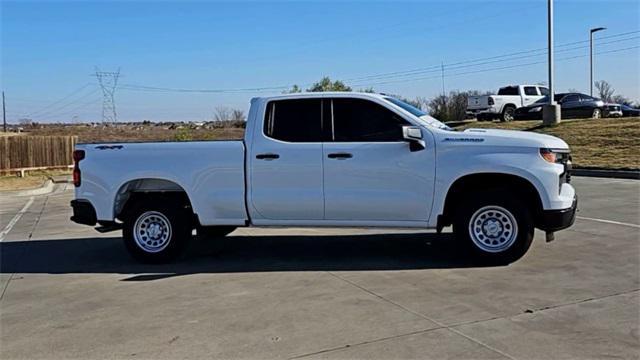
{"x": 210, "y": 172}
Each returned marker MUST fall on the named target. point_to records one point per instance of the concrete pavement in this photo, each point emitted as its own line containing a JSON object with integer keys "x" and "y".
{"x": 70, "y": 292}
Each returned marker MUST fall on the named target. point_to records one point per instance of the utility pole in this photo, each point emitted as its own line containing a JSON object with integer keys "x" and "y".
{"x": 442, "y": 71}
{"x": 591, "y": 57}
{"x": 108, "y": 82}
{"x": 551, "y": 111}
{"x": 4, "y": 113}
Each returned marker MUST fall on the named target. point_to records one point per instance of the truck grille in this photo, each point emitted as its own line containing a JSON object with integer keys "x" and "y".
{"x": 565, "y": 160}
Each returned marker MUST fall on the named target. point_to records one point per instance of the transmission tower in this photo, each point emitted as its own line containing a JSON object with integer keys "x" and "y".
{"x": 108, "y": 81}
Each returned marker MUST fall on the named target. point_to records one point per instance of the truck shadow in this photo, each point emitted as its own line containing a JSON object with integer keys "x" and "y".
{"x": 240, "y": 254}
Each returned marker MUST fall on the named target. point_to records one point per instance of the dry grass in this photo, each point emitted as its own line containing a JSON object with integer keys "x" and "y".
{"x": 32, "y": 180}
{"x": 135, "y": 133}
{"x": 602, "y": 143}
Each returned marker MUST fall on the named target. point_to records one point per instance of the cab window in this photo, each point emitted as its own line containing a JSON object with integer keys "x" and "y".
{"x": 359, "y": 120}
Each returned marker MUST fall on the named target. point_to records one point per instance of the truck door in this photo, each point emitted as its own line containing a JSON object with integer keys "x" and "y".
{"x": 285, "y": 162}
{"x": 570, "y": 106}
{"x": 370, "y": 174}
{"x": 530, "y": 95}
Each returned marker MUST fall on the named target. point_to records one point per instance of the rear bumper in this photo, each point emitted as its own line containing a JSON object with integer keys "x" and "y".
{"x": 555, "y": 220}
{"x": 83, "y": 212}
{"x": 485, "y": 111}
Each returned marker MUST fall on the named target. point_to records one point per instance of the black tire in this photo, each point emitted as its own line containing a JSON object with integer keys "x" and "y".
{"x": 501, "y": 209}
{"x": 508, "y": 113}
{"x": 170, "y": 244}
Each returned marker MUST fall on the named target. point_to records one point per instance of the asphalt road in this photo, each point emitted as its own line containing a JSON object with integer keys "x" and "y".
{"x": 69, "y": 292}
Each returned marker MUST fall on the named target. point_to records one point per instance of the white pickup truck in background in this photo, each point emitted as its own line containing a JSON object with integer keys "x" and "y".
{"x": 330, "y": 159}
{"x": 503, "y": 105}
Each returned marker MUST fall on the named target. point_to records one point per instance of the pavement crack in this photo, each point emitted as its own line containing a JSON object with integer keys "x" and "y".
{"x": 347, "y": 346}
{"x": 439, "y": 324}
{"x": 551, "y": 307}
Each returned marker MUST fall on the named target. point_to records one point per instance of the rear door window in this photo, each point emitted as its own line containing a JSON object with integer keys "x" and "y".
{"x": 544, "y": 91}
{"x": 508, "y": 90}
{"x": 295, "y": 120}
{"x": 570, "y": 98}
{"x": 358, "y": 120}
{"x": 530, "y": 90}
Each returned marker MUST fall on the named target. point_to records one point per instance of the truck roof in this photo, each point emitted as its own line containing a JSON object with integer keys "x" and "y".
{"x": 321, "y": 95}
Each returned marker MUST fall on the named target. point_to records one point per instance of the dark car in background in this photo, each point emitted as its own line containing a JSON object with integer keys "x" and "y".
{"x": 572, "y": 105}
{"x": 629, "y": 111}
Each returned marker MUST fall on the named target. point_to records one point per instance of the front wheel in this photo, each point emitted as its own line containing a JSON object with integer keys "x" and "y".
{"x": 155, "y": 232}
{"x": 494, "y": 227}
{"x": 596, "y": 114}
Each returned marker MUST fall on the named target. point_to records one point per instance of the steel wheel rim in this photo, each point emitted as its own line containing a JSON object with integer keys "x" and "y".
{"x": 493, "y": 229}
{"x": 152, "y": 231}
{"x": 508, "y": 114}
{"x": 596, "y": 114}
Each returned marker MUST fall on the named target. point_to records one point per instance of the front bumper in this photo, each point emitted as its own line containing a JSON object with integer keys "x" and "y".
{"x": 555, "y": 220}
{"x": 83, "y": 212}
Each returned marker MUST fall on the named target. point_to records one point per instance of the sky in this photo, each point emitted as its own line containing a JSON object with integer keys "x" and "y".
{"x": 230, "y": 51}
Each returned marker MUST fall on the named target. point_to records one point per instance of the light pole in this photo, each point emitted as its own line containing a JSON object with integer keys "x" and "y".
{"x": 591, "y": 56}
{"x": 551, "y": 111}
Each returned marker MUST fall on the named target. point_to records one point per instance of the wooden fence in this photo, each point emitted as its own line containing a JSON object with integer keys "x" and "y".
{"x": 25, "y": 151}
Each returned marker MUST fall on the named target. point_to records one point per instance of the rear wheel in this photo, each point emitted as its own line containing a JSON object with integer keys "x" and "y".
{"x": 508, "y": 113}
{"x": 155, "y": 232}
{"x": 494, "y": 227}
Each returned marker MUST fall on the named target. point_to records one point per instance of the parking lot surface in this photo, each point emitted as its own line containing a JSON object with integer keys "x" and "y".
{"x": 70, "y": 292}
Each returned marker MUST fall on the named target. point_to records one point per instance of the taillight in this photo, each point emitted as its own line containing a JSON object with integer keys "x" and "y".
{"x": 77, "y": 156}
{"x": 490, "y": 101}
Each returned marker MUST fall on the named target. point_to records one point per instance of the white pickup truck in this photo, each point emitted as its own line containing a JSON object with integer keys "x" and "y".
{"x": 503, "y": 105}
{"x": 333, "y": 160}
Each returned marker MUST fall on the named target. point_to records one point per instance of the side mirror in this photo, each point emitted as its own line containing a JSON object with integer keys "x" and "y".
{"x": 413, "y": 135}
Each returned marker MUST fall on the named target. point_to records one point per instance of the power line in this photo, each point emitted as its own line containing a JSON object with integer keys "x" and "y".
{"x": 542, "y": 51}
{"x": 381, "y": 77}
{"x": 494, "y": 69}
{"x": 61, "y": 99}
{"x": 396, "y": 74}
{"x": 62, "y": 106}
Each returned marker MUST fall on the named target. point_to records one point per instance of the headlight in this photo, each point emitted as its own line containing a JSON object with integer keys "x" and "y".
{"x": 536, "y": 109}
{"x": 555, "y": 156}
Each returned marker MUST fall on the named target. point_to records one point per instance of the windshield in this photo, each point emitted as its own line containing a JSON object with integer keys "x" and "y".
{"x": 424, "y": 118}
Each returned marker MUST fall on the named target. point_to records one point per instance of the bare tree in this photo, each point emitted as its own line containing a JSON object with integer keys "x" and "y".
{"x": 25, "y": 122}
{"x": 237, "y": 115}
{"x": 222, "y": 113}
{"x": 605, "y": 90}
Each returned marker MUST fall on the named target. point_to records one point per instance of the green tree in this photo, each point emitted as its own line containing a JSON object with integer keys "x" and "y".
{"x": 294, "y": 89}
{"x": 325, "y": 84}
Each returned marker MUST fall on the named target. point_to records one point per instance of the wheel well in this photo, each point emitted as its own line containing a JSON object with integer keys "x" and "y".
{"x": 508, "y": 106}
{"x": 138, "y": 190}
{"x": 506, "y": 182}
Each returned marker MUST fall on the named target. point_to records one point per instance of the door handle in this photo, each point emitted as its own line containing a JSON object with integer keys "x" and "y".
{"x": 267, "y": 156}
{"x": 340, "y": 156}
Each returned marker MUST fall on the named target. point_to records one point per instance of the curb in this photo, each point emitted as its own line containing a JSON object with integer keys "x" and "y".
{"x": 613, "y": 174}
{"x": 46, "y": 188}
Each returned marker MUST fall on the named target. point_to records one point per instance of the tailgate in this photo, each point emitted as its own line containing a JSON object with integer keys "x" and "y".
{"x": 478, "y": 102}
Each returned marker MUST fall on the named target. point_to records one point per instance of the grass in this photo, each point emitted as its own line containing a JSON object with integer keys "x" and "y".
{"x": 133, "y": 133}
{"x": 33, "y": 179}
{"x": 602, "y": 143}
